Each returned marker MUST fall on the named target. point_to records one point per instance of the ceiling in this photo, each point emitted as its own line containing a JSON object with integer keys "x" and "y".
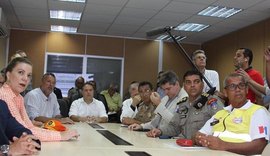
{"x": 133, "y": 18}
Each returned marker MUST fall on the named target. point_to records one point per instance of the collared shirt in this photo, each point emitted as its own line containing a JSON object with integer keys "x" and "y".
{"x": 81, "y": 108}
{"x": 259, "y": 122}
{"x": 127, "y": 111}
{"x": 37, "y": 104}
{"x": 213, "y": 78}
{"x": 114, "y": 102}
{"x": 16, "y": 106}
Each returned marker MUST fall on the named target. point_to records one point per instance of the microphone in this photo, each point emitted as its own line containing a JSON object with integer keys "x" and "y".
{"x": 159, "y": 30}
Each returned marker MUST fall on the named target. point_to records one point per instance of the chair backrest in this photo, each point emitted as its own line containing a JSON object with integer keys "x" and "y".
{"x": 64, "y": 107}
{"x": 266, "y": 151}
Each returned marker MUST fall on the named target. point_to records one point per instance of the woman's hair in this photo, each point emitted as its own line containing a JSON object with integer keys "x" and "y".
{"x": 12, "y": 64}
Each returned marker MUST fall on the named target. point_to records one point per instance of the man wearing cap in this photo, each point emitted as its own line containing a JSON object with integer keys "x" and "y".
{"x": 88, "y": 109}
{"x": 188, "y": 120}
{"x": 242, "y": 127}
{"x": 41, "y": 103}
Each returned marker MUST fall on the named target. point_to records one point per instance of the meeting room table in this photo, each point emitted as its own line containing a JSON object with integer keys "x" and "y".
{"x": 113, "y": 139}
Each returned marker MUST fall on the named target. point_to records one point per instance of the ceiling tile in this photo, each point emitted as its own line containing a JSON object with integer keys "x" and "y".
{"x": 59, "y": 5}
{"x": 97, "y": 18}
{"x": 197, "y": 1}
{"x": 250, "y": 16}
{"x": 137, "y": 13}
{"x": 41, "y": 13}
{"x": 159, "y": 23}
{"x": 262, "y": 7}
{"x": 130, "y": 21}
{"x": 147, "y": 4}
{"x": 125, "y": 28}
{"x": 108, "y": 2}
{"x": 164, "y": 15}
{"x": 183, "y": 7}
{"x": 95, "y": 9}
{"x": 26, "y": 19}
{"x": 243, "y": 4}
{"x": 37, "y": 4}
{"x": 92, "y": 25}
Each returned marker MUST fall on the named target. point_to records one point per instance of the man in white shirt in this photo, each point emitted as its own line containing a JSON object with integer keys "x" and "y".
{"x": 242, "y": 127}
{"x": 88, "y": 109}
{"x": 199, "y": 59}
{"x": 133, "y": 91}
{"x": 41, "y": 103}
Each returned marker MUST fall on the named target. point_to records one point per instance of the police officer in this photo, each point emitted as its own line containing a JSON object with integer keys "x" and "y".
{"x": 190, "y": 117}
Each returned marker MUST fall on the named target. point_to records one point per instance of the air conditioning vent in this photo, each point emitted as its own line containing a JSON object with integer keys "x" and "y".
{"x": 4, "y": 31}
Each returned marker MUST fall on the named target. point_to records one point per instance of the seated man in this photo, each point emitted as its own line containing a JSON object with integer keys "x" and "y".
{"x": 41, "y": 103}
{"x": 142, "y": 108}
{"x": 242, "y": 127}
{"x": 75, "y": 93}
{"x": 88, "y": 109}
{"x": 166, "y": 108}
{"x": 14, "y": 138}
{"x": 133, "y": 91}
{"x": 188, "y": 120}
{"x": 113, "y": 98}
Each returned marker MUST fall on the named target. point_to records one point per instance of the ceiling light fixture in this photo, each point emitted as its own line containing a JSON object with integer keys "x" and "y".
{"x": 61, "y": 28}
{"x": 76, "y": 1}
{"x": 68, "y": 15}
{"x": 219, "y": 11}
{"x": 191, "y": 27}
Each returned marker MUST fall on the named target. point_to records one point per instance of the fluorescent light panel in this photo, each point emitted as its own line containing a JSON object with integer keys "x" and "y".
{"x": 219, "y": 11}
{"x": 76, "y": 1}
{"x": 191, "y": 27}
{"x": 68, "y": 15}
{"x": 61, "y": 28}
{"x": 168, "y": 38}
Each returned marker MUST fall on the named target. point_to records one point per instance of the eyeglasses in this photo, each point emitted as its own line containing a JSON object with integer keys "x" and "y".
{"x": 241, "y": 85}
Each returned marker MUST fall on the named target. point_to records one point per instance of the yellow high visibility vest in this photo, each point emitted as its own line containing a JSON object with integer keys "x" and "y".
{"x": 234, "y": 126}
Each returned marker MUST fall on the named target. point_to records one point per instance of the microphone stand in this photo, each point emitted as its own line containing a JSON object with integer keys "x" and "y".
{"x": 180, "y": 48}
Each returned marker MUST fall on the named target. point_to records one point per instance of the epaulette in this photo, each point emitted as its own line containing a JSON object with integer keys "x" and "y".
{"x": 184, "y": 99}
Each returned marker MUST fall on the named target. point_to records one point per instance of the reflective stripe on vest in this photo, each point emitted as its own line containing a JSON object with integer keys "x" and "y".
{"x": 235, "y": 136}
{"x": 234, "y": 126}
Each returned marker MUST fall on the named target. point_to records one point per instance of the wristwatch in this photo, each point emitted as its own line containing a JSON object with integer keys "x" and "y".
{"x": 4, "y": 149}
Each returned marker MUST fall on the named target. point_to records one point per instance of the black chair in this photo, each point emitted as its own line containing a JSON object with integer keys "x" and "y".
{"x": 64, "y": 107}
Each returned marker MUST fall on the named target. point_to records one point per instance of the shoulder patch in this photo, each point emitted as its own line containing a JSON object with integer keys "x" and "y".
{"x": 184, "y": 99}
{"x": 213, "y": 103}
